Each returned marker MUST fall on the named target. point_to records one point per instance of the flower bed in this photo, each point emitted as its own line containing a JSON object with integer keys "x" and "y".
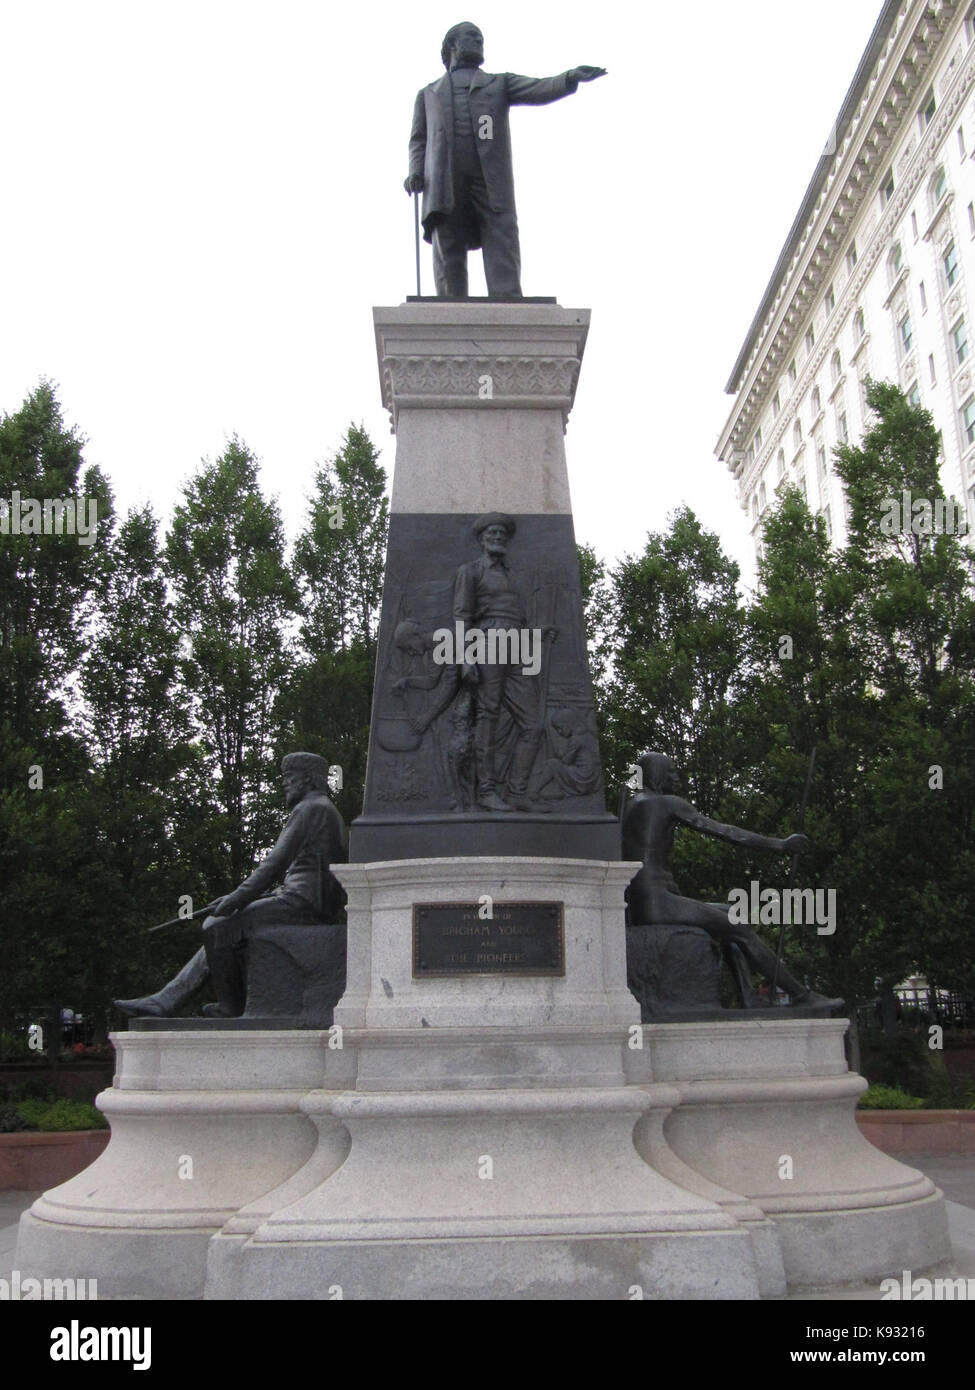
{"x": 919, "y": 1131}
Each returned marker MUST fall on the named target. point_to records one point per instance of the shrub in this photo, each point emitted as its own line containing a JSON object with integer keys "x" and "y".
{"x": 901, "y": 1061}
{"x": 889, "y": 1098}
{"x": 61, "y": 1115}
{"x": 11, "y": 1122}
{"x": 15, "y": 1048}
{"x": 34, "y": 1088}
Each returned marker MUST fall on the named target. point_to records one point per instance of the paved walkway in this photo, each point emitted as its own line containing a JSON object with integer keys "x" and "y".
{"x": 954, "y": 1174}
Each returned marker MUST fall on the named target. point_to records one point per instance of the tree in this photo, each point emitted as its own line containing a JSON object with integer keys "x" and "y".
{"x": 676, "y": 625}
{"x": 338, "y": 570}
{"x": 47, "y": 574}
{"x": 916, "y": 599}
{"x": 150, "y": 804}
{"x": 233, "y": 598}
{"x": 878, "y": 676}
{"x": 340, "y": 555}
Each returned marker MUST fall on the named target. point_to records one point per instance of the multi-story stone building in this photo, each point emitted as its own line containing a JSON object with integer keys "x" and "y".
{"x": 876, "y": 277}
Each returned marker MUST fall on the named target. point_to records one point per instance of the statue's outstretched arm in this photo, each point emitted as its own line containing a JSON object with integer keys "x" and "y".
{"x": 734, "y": 834}
{"x": 539, "y": 91}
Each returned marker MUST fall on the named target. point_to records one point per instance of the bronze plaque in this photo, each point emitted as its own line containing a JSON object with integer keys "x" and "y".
{"x": 517, "y": 939}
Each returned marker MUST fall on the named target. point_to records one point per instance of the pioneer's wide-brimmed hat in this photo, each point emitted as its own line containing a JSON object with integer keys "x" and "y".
{"x": 494, "y": 519}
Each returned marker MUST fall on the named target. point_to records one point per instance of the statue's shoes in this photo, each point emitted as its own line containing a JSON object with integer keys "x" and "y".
{"x": 521, "y": 802}
{"x": 216, "y": 1011}
{"x": 490, "y": 801}
{"x": 147, "y": 1007}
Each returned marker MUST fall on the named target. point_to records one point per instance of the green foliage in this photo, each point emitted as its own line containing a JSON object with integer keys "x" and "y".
{"x": 47, "y": 593}
{"x": 339, "y": 556}
{"x": 14, "y": 1047}
{"x": 866, "y": 655}
{"x": 11, "y": 1122}
{"x": 338, "y": 571}
{"x": 157, "y": 685}
{"x": 889, "y": 1098}
{"x": 60, "y": 1115}
{"x": 233, "y": 596}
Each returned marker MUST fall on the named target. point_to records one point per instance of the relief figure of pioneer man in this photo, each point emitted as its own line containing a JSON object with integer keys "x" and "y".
{"x": 488, "y": 596}
{"x": 460, "y": 160}
{"x": 307, "y": 893}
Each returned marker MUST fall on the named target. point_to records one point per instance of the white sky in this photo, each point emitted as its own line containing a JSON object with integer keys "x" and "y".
{"x": 204, "y": 200}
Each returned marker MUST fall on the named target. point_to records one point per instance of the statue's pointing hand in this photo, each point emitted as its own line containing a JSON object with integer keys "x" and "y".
{"x": 586, "y": 74}
{"x": 796, "y": 844}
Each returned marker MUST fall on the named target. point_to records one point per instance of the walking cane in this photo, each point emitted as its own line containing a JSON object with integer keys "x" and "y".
{"x": 416, "y": 229}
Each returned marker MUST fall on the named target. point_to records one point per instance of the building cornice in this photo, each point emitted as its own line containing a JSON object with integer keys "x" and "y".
{"x": 902, "y": 51}
{"x": 764, "y": 371}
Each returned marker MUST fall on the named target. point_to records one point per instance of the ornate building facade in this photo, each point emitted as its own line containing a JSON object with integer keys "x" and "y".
{"x": 876, "y": 278}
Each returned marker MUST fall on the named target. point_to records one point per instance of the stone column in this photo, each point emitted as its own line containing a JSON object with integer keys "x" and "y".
{"x": 479, "y": 396}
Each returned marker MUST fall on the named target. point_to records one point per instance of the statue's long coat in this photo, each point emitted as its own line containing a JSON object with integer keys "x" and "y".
{"x": 432, "y": 137}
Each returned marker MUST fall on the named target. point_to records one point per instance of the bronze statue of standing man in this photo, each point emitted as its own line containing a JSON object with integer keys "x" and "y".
{"x": 460, "y": 160}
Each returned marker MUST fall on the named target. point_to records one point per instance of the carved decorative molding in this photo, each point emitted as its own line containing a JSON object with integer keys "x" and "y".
{"x": 483, "y": 381}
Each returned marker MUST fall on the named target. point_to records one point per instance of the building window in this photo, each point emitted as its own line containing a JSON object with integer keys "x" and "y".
{"x": 797, "y": 433}
{"x": 931, "y": 371}
{"x": 928, "y": 108}
{"x": 751, "y": 454}
{"x": 971, "y": 218}
{"x": 793, "y": 370}
{"x": 968, "y": 419}
{"x": 836, "y": 367}
{"x": 851, "y": 257}
{"x": 951, "y": 265}
{"x": 862, "y": 392}
{"x": 859, "y": 325}
{"x": 970, "y": 25}
{"x": 959, "y": 337}
{"x": 829, "y": 301}
{"x": 895, "y": 262}
{"x": 914, "y": 225}
{"x": 780, "y": 463}
{"x": 810, "y": 340}
{"x": 924, "y": 297}
{"x": 887, "y": 188}
{"x": 762, "y": 496}
{"x": 758, "y": 438}
{"x": 906, "y": 330}
{"x": 754, "y": 507}
{"x": 939, "y": 187}
{"x": 841, "y": 428}
{"x": 817, "y": 402}
{"x": 821, "y": 459}
{"x": 914, "y": 396}
{"x": 829, "y": 523}
{"x": 961, "y": 143}
{"x": 776, "y": 406}
{"x": 802, "y": 487}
